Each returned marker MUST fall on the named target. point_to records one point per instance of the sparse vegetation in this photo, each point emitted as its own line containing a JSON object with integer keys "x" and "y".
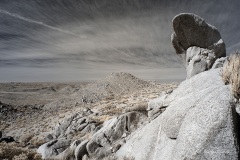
{"x": 112, "y": 96}
{"x": 231, "y": 74}
{"x": 26, "y": 138}
{"x": 11, "y": 151}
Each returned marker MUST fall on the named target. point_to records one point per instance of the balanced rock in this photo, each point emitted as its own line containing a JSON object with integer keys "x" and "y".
{"x": 199, "y": 41}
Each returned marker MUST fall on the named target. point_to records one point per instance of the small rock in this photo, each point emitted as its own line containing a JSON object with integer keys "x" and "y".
{"x": 219, "y": 62}
{"x": 49, "y": 137}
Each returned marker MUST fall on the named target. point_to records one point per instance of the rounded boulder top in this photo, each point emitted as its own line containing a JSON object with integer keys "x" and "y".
{"x": 192, "y": 30}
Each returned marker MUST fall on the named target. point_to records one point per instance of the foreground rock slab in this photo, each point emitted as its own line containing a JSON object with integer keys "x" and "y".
{"x": 200, "y": 122}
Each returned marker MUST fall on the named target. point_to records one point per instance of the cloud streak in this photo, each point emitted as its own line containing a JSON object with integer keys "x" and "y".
{"x": 37, "y": 22}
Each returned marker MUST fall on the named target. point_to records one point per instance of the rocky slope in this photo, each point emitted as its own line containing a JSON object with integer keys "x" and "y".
{"x": 123, "y": 117}
{"x": 198, "y": 120}
{"x": 36, "y": 113}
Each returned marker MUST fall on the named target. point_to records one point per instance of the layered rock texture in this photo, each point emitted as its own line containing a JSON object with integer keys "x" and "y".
{"x": 199, "y": 42}
{"x": 200, "y": 122}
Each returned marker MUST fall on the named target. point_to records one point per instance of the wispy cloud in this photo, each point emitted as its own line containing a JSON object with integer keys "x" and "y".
{"x": 37, "y": 22}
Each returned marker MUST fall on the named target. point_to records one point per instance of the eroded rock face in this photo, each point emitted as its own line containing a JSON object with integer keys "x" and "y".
{"x": 198, "y": 60}
{"x": 61, "y": 144}
{"x": 104, "y": 142}
{"x": 200, "y": 122}
{"x": 110, "y": 136}
{"x": 53, "y": 148}
{"x": 199, "y": 41}
{"x": 219, "y": 62}
{"x": 81, "y": 150}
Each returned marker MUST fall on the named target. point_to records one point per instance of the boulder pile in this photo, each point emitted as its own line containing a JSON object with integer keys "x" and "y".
{"x": 105, "y": 140}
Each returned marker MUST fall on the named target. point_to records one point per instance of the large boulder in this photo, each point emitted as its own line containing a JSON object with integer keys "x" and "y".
{"x": 53, "y": 148}
{"x": 73, "y": 124}
{"x": 192, "y": 30}
{"x": 200, "y": 122}
{"x": 69, "y": 153}
{"x": 200, "y": 41}
{"x": 112, "y": 134}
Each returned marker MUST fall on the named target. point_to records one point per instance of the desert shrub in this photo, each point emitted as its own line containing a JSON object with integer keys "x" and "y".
{"x": 11, "y": 151}
{"x": 231, "y": 73}
{"x": 25, "y": 139}
{"x": 141, "y": 106}
{"x": 37, "y": 142}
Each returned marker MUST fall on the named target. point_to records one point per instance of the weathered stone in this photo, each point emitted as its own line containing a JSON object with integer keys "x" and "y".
{"x": 101, "y": 143}
{"x": 69, "y": 152}
{"x": 49, "y": 137}
{"x": 81, "y": 150}
{"x": 198, "y": 60}
{"x": 192, "y": 30}
{"x": 89, "y": 128}
{"x": 73, "y": 124}
{"x": 53, "y": 148}
{"x": 219, "y": 62}
{"x": 200, "y": 122}
{"x": 63, "y": 126}
{"x": 177, "y": 46}
{"x": 157, "y": 106}
{"x": 85, "y": 157}
{"x": 201, "y": 42}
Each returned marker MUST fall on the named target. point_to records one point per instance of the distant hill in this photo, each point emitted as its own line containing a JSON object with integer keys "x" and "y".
{"x": 98, "y": 35}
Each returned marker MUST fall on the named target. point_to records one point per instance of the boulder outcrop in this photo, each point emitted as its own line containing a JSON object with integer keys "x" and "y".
{"x": 113, "y": 132}
{"x": 200, "y": 122}
{"x": 200, "y": 42}
{"x": 104, "y": 142}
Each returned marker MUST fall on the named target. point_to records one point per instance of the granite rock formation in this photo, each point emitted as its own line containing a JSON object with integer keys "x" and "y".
{"x": 200, "y": 42}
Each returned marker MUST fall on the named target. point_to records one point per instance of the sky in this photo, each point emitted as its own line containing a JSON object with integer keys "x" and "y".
{"x": 85, "y": 40}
